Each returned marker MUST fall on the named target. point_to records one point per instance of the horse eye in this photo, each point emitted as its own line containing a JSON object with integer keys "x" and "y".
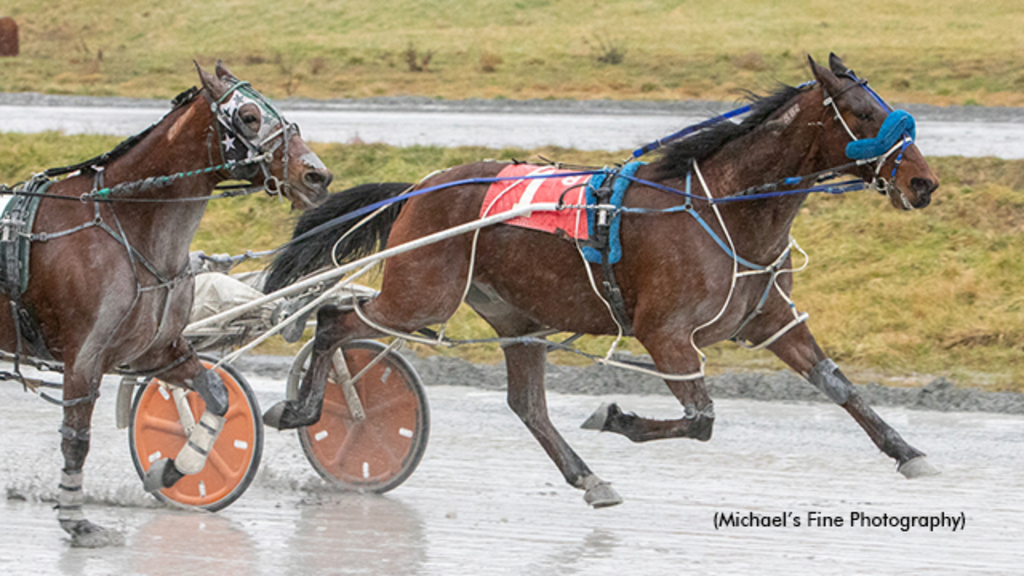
{"x": 251, "y": 119}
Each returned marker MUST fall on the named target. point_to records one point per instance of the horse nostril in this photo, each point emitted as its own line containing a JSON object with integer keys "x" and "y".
{"x": 318, "y": 178}
{"x": 923, "y": 186}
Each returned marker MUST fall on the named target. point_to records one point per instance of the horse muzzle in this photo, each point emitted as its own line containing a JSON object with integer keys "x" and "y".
{"x": 920, "y": 195}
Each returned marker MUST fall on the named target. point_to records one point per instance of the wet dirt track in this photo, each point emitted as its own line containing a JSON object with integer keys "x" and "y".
{"x": 485, "y": 499}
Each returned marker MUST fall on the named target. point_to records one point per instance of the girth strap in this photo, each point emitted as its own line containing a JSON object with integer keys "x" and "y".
{"x": 600, "y": 234}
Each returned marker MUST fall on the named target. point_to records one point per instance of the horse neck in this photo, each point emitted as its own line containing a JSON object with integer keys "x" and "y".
{"x": 786, "y": 145}
{"x": 182, "y": 142}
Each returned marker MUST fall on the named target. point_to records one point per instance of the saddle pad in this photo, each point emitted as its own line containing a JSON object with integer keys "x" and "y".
{"x": 525, "y": 184}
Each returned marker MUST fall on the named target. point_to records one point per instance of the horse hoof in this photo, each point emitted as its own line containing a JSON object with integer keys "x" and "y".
{"x": 598, "y": 419}
{"x": 272, "y": 417}
{"x": 85, "y": 534}
{"x": 602, "y": 495}
{"x": 284, "y": 416}
{"x": 162, "y": 474}
{"x": 917, "y": 468}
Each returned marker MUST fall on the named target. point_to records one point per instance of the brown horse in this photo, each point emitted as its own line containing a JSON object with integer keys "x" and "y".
{"x": 110, "y": 287}
{"x": 692, "y": 272}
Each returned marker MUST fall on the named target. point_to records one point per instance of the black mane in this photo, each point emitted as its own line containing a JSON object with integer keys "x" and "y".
{"x": 676, "y": 159}
{"x": 125, "y": 145}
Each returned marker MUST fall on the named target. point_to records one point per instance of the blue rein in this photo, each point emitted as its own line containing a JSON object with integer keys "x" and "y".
{"x": 651, "y": 147}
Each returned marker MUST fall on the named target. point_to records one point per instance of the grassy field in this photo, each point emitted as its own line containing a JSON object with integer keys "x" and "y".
{"x": 895, "y": 297}
{"x": 945, "y": 52}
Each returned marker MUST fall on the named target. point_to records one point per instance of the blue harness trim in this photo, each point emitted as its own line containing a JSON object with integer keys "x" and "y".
{"x": 623, "y": 178}
{"x": 687, "y": 207}
{"x": 898, "y": 124}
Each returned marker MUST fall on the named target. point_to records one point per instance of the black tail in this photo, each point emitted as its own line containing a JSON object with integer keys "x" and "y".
{"x": 307, "y": 253}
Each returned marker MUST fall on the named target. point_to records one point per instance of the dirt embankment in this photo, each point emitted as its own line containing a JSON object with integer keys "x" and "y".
{"x": 784, "y": 386}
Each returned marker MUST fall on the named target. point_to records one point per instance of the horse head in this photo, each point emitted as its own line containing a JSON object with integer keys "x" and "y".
{"x": 248, "y": 127}
{"x": 861, "y": 127}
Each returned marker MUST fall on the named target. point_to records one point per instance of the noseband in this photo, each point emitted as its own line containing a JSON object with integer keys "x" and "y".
{"x": 896, "y": 134}
{"x": 274, "y": 133}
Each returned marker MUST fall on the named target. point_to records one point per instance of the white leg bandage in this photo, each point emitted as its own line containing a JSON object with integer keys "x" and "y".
{"x": 70, "y": 497}
{"x": 192, "y": 457}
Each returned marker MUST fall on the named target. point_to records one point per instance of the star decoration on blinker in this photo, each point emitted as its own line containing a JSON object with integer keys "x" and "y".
{"x": 232, "y": 104}
{"x": 228, "y": 110}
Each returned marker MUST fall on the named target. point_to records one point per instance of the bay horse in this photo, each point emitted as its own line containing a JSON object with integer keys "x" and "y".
{"x": 692, "y": 272}
{"x": 110, "y": 288}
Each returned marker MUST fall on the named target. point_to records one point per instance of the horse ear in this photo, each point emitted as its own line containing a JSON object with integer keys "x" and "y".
{"x": 224, "y": 74}
{"x": 213, "y": 85}
{"x": 837, "y": 66}
{"x": 825, "y": 77}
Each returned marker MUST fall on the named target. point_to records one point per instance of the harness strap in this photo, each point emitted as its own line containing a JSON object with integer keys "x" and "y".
{"x": 600, "y": 239}
{"x": 147, "y": 374}
{"x": 92, "y": 396}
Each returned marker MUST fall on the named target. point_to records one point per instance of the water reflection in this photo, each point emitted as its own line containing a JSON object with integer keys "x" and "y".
{"x": 175, "y": 541}
{"x": 356, "y": 534}
{"x": 573, "y": 558}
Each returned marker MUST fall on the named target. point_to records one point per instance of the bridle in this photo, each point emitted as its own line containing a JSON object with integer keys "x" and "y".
{"x": 235, "y": 145}
{"x": 896, "y": 134}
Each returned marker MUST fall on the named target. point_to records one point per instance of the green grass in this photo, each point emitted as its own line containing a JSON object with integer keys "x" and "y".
{"x": 947, "y": 52}
{"x": 893, "y": 296}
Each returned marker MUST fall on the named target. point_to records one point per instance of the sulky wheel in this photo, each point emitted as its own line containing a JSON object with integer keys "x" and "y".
{"x": 371, "y": 435}
{"x": 156, "y": 432}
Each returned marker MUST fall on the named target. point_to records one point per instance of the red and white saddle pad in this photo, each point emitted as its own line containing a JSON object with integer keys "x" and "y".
{"x": 525, "y": 184}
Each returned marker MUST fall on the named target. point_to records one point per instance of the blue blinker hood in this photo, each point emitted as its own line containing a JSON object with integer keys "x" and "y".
{"x": 898, "y": 124}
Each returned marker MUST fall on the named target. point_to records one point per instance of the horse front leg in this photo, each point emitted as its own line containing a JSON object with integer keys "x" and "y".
{"x": 526, "y": 397}
{"x": 698, "y": 418}
{"x": 798, "y": 349}
{"x": 191, "y": 459}
{"x": 80, "y": 394}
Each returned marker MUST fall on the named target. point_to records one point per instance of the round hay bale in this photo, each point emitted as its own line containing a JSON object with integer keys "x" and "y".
{"x": 8, "y": 36}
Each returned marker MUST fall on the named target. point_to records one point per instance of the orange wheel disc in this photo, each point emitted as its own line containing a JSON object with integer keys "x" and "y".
{"x": 156, "y": 432}
{"x": 377, "y": 451}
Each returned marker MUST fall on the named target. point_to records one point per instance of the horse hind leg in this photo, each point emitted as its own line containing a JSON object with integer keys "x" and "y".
{"x": 698, "y": 418}
{"x": 525, "y": 363}
{"x": 75, "y": 432}
{"x": 526, "y": 397}
{"x": 334, "y": 327}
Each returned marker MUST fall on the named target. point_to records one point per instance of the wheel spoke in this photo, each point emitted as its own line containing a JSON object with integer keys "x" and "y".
{"x": 346, "y": 446}
{"x": 385, "y": 445}
{"x": 337, "y": 409}
{"x": 149, "y": 422}
{"x": 387, "y": 405}
{"x": 220, "y": 466}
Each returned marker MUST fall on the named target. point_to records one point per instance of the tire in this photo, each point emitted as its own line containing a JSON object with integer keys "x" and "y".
{"x": 155, "y": 432}
{"x": 379, "y": 452}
